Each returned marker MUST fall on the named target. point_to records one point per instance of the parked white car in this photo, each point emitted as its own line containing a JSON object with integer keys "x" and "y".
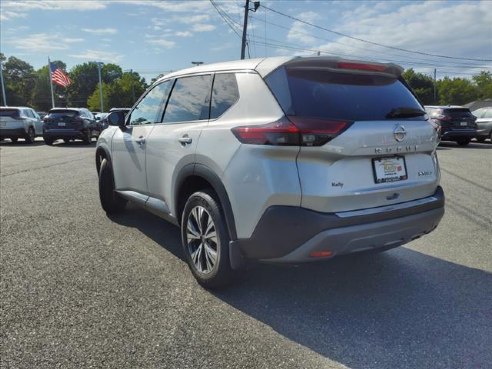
{"x": 284, "y": 160}
{"x": 20, "y": 122}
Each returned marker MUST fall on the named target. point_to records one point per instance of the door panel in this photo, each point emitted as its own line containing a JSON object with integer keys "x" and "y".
{"x": 129, "y": 158}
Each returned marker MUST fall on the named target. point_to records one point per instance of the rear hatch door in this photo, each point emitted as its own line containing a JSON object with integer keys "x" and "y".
{"x": 63, "y": 119}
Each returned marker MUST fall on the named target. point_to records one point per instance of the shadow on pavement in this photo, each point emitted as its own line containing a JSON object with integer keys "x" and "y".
{"x": 400, "y": 309}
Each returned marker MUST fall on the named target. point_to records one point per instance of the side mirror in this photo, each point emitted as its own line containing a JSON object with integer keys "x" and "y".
{"x": 117, "y": 118}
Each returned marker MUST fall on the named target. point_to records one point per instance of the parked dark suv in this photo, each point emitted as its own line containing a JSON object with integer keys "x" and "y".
{"x": 70, "y": 124}
{"x": 456, "y": 123}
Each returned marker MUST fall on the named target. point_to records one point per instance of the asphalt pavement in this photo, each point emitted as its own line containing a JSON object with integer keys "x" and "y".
{"x": 81, "y": 290}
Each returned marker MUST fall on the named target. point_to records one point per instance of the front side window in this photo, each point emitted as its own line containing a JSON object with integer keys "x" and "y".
{"x": 224, "y": 94}
{"x": 148, "y": 109}
{"x": 190, "y": 99}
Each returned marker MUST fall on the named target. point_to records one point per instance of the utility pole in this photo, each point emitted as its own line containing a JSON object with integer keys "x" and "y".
{"x": 3, "y": 84}
{"x": 245, "y": 26}
{"x": 100, "y": 86}
{"x": 435, "y": 87}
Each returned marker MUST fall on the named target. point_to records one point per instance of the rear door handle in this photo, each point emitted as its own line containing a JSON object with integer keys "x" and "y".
{"x": 185, "y": 139}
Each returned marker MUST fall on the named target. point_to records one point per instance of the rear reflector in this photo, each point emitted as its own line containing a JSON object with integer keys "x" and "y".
{"x": 292, "y": 131}
{"x": 321, "y": 254}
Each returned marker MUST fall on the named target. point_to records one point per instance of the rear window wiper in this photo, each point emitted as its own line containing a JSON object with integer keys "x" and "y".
{"x": 405, "y": 112}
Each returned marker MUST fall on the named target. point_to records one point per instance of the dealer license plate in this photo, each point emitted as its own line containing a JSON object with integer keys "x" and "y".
{"x": 463, "y": 124}
{"x": 390, "y": 169}
{"x": 61, "y": 124}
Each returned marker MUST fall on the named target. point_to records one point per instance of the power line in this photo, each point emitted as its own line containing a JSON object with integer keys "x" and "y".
{"x": 229, "y": 21}
{"x": 370, "y": 50}
{"x": 371, "y": 42}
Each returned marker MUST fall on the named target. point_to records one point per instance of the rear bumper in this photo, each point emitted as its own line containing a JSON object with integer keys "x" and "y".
{"x": 454, "y": 135}
{"x": 64, "y": 133}
{"x": 291, "y": 234}
{"x": 12, "y": 133}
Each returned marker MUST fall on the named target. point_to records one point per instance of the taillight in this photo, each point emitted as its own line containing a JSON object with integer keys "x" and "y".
{"x": 292, "y": 131}
{"x": 443, "y": 117}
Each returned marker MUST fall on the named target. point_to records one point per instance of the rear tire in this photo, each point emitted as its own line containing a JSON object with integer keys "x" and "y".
{"x": 66, "y": 140}
{"x": 463, "y": 141}
{"x": 88, "y": 137}
{"x": 205, "y": 240}
{"x": 48, "y": 141}
{"x": 31, "y": 136}
{"x": 111, "y": 202}
{"x": 14, "y": 140}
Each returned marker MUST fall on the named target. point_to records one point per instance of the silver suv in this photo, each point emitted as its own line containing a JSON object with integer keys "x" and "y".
{"x": 20, "y": 122}
{"x": 279, "y": 159}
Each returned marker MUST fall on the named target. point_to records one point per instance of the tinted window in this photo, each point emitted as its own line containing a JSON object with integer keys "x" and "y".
{"x": 224, "y": 94}
{"x": 12, "y": 113}
{"x": 148, "y": 109}
{"x": 458, "y": 112}
{"x": 190, "y": 99}
{"x": 336, "y": 95}
{"x": 60, "y": 113}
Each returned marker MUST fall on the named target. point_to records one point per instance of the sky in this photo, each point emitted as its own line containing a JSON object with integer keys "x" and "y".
{"x": 155, "y": 37}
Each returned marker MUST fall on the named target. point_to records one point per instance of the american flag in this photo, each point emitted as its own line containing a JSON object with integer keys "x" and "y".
{"x": 58, "y": 76}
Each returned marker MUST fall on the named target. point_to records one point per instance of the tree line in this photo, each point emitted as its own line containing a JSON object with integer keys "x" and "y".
{"x": 25, "y": 86}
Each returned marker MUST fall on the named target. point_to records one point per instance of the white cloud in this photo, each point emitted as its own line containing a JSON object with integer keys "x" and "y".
{"x": 98, "y": 55}
{"x": 299, "y": 31}
{"x": 174, "y": 6}
{"x": 193, "y": 19}
{"x": 184, "y": 34}
{"x": 161, "y": 42}
{"x": 457, "y": 29}
{"x": 20, "y": 7}
{"x": 43, "y": 42}
{"x": 100, "y": 31}
{"x": 202, "y": 27}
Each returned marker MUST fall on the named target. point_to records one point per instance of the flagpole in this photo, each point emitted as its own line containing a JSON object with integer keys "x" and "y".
{"x": 51, "y": 84}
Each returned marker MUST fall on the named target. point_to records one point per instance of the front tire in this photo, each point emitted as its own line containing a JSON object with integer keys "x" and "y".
{"x": 205, "y": 240}
{"x": 48, "y": 141}
{"x": 14, "y": 140}
{"x": 111, "y": 202}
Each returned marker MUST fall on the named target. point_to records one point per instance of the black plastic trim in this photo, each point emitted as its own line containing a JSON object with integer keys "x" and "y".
{"x": 282, "y": 229}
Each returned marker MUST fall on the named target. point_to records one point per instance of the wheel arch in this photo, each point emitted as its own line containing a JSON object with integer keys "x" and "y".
{"x": 195, "y": 177}
{"x": 102, "y": 153}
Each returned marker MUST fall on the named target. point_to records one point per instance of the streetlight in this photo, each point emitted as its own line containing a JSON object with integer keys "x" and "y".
{"x": 197, "y": 63}
{"x": 3, "y": 84}
{"x": 99, "y": 64}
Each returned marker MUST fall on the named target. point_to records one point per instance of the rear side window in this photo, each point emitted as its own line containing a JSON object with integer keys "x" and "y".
{"x": 327, "y": 94}
{"x": 190, "y": 99}
{"x": 224, "y": 94}
{"x": 12, "y": 113}
{"x": 487, "y": 114}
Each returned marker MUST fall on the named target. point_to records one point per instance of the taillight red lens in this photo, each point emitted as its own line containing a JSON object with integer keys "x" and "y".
{"x": 281, "y": 132}
{"x": 294, "y": 131}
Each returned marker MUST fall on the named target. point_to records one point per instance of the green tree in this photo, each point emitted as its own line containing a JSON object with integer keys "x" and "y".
{"x": 456, "y": 91}
{"x": 122, "y": 92}
{"x": 19, "y": 78}
{"x": 41, "y": 94}
{"x": 85, "y": 79}
{"x": 421, "y": 84}
{"x": 483, "y": 81}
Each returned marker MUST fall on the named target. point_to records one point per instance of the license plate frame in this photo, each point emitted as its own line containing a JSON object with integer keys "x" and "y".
{"x": 389, "y": 169}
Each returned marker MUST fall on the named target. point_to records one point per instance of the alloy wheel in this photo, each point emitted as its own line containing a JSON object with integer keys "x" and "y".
{"x": 201, "y": 239}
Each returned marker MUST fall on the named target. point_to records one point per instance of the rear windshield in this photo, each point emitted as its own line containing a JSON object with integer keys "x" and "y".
{"x": 63, "y": 113}
{"x": 459, "y": 112}
{"x": 12, "y": 113}
{"x": 337, "y": 95}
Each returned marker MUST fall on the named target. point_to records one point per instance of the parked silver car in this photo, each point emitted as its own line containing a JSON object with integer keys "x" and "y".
{"x": 484, "y": 123}
{"x": 20, "y": 122}
{"x": 281, "y": 159}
